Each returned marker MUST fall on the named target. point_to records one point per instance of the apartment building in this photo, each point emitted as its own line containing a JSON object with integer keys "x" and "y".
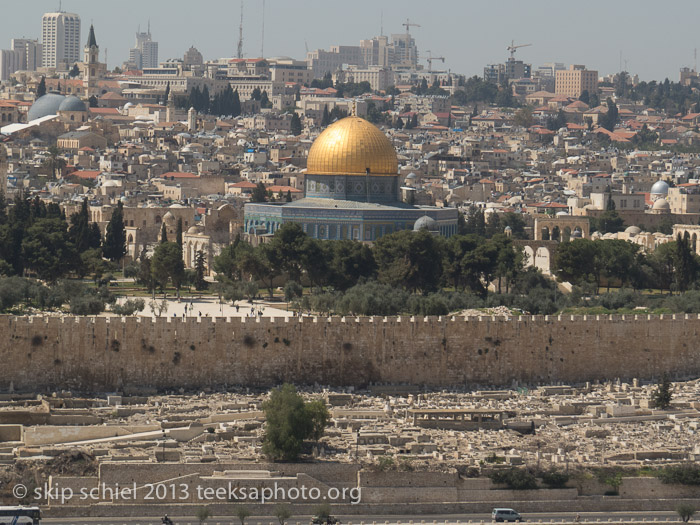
{"x": 575, "y": 80}
{"x": 60, "y": 35}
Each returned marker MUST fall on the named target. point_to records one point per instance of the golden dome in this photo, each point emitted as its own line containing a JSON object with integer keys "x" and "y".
{"x": 349, "y": 147}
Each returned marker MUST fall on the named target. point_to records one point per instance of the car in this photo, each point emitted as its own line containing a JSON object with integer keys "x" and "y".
{"x": 324, "y": 520}
{"x": 505, "y": 515}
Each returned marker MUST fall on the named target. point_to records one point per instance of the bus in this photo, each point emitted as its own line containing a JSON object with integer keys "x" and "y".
{"x": 17, "y": 515}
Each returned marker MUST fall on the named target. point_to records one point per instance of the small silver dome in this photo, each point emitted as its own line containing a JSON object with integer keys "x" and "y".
{"x": 660, "y": 187}
{"x": 425, "y": 222}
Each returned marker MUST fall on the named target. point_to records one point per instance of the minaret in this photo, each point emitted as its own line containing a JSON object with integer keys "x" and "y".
{"x": 170, "y": 108}
{"x": 92, "y": 52}
{"x": 191, "y": 120}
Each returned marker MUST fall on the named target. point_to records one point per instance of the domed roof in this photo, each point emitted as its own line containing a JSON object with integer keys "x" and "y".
{"x": 660, "y": 187}
{"x": 168, "y": 217}
{"x": 193, "y": 230}
{"x": 633, "y": 230}
{"x": 576, "y": 234}
{"x": 351, "y": 146}
{"x": 661, "y": 204}
{"x": 411, "y": 176}
{"x": 46, "y": 105}
{"x": 425, "y": 222}
{"x": 72, "y": 103}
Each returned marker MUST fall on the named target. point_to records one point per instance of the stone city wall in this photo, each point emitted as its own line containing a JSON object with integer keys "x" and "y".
{"x": 110, "y": 354}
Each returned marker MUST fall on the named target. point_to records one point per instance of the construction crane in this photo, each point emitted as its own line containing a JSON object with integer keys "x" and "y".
{"x": 512, "y": 47}
{"x": 408, "y": 24}
{"x": 430, "y": 59}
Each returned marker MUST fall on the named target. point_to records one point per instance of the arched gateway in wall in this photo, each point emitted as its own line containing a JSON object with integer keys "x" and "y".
{"x": 548, "y": 225}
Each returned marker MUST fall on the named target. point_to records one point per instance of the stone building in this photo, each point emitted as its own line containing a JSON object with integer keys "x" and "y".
{"x": 351, "y": 190}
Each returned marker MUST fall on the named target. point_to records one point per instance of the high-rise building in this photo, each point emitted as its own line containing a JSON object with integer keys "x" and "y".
{"x": 405, "y": 50}
{"x": 574, "y": 81}
{"x": 398, "y": 53}
{"x": 9, "y": 63}
{"x": 145, "y": 52}
{"x": 30, "y": 52}
{"x": 60, "y": 35}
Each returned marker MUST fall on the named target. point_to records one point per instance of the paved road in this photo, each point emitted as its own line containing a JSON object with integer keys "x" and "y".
{"x": 380, "y": 520}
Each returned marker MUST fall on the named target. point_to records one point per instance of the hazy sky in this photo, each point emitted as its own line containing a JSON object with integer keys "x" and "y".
{"x": 656, "y": 38}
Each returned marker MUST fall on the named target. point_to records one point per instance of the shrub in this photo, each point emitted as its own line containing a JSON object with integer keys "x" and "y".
{"x": 515, "y": 479}
{"x": 555, "y": 479}
{"x": 688, "y": 474}
{"x": 86, "y": 305}
{"x": 130, "y": 307}
{"x": 685, "y": 512}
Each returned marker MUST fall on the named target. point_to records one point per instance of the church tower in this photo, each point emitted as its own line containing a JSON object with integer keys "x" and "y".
{"x": 90, "y": 74}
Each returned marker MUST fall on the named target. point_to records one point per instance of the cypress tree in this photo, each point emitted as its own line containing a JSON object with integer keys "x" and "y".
{"x": 163, "y": 234}
{"x": 114, "y": 247}
{"x": 41, "y": 88}
{"x": 178, "y": 232}
{"x": 296, "y": 125}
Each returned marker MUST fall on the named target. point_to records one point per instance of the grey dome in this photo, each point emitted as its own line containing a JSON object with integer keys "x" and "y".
{"x": 411, "y": 176}
{"x": 72, "y": 103}
{"x": 660, "y": 187}
{"x": 576, "y": 234}
{"x": 633, "y": 230}
{"x": 46, "y": 105}
{"x": 425, "y": 222}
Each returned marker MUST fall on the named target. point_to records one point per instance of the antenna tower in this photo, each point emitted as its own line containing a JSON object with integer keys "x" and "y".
{"x": 262, "y": 39}
{"x": 239, "y": 53}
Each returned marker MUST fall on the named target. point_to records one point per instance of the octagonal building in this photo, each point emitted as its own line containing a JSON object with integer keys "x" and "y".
{"x": 351, "y": 191}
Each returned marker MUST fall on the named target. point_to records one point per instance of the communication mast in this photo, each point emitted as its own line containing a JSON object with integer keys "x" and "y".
{"x": 239, "y": 54}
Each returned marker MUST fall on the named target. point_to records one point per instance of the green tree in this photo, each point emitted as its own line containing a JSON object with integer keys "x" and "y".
{"x": 578, "y": 262}
{"x": 608, "y": 222}
{"x": 262, "y": 264}
{"x": 228, "y": 264}
{"x": 611, "y": 118}
{"x": 326, "y": 118}
{"x": 114, "y": 247}
{"x": 350, "y": 262}
{"x": 80, "y": 231}
{"x": 163, "y": 233}
{"x": 282, "y": 513}
{"x": 242, "y": 513}
{"x": 178, "y": 232}
{"x": 410, "y": 259}
{"x": 296, "y": 124}
{"x": 199, "y": 267}
{"x": 47, "y": 249}
{"x": 289, "y": 421}
{"x": 74, "y": 72}
{"x": 289, "y": 245}
{"x": 259, "y": 193}
{"x": 167, "y": 265}
{"x": 203, "y": 514}
{"x": 685, "y": 512}
{"x": 686, "y": 264}
{"x": 292, "y": 290}
{"x": 662, "y": 395}
{"x": 41, "y": 88}
{"x": 523, "y": 117}
{"x": 55, "y": 163}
